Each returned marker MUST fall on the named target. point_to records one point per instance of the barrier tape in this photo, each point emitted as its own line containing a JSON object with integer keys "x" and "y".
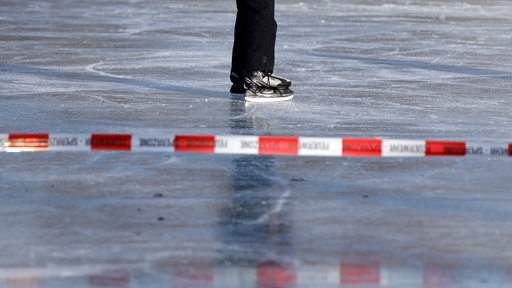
{"x": 255, "y": 145}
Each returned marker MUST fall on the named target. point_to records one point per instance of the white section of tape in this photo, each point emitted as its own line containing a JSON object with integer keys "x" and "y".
{"x": 403, "y": 148}
{"x": 311, "y": 276}
{"x": 234, "y": 276}
{"x": 314, "y": 146}
{"x": 69, "y": 142}
{"x": 401, "y": 276}
{"x": 153, "y": 143}
{"x": 4, "y": 141}
{"x": 491, "y": 149}
{"x": 236, "y": 144}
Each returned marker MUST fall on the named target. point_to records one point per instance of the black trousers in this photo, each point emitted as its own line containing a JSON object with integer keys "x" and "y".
{"x": 255, "y": 36}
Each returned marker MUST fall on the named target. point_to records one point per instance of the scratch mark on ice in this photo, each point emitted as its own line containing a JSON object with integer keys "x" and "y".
{"x": 92, "y": 68}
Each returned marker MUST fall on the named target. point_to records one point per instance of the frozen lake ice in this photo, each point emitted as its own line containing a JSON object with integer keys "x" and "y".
{"x": 398, "y": 69}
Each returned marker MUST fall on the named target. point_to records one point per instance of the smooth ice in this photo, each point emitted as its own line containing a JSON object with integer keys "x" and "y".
{"x": 399, "y": 69}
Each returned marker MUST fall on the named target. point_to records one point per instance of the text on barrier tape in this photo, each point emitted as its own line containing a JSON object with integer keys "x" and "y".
{"x": 278, "y": 146}
{"x": 362, "y": 147}
{"x": 442, "y": 148}
{"x": 111, "y": 142}
{"x": 198, "y": 144}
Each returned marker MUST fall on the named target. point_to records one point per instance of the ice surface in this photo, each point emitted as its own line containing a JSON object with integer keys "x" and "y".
{"x": 404, "y": 69}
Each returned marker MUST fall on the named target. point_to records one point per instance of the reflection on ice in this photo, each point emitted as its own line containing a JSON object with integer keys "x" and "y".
{"x": 270, "y": 274}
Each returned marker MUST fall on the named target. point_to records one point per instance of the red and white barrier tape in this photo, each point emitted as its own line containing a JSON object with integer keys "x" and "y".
{"x": 256, "y": 145}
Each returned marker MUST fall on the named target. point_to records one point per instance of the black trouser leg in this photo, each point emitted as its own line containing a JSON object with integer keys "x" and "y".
{"x": 240, "y": 42}
{"x": 255, "y": 36}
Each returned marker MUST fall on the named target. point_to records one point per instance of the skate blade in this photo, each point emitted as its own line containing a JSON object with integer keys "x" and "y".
{"x": 268, "y": 99}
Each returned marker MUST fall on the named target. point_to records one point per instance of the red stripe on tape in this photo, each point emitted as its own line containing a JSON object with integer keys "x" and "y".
{"x": 200, "y": 274}
{"x": 269, "y": 145}
{"x": 443, "y": 148}
{"x": 32, "y": 142}
{"x": 510, "y": 150}
{"x": 188, "y": 143}
{"x": 111, "y": 142}
{"x": 362, "y": 147}
{"x": 360, "y": 274}
{"x": 271, "y": 274}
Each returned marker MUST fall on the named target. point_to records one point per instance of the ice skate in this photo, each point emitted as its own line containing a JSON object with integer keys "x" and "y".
{"x": 265, "y": 87}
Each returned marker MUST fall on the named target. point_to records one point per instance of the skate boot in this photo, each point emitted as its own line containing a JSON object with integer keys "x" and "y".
{"x": 265, "y": 87}
{"x": 266, "y": 79}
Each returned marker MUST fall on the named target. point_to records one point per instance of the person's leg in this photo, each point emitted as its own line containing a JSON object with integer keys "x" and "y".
{"x": 254, "y": 53}
{"x": 240, "y": 39}
{"x": 261, "y": 41}
{"x": 261, "y": 35}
